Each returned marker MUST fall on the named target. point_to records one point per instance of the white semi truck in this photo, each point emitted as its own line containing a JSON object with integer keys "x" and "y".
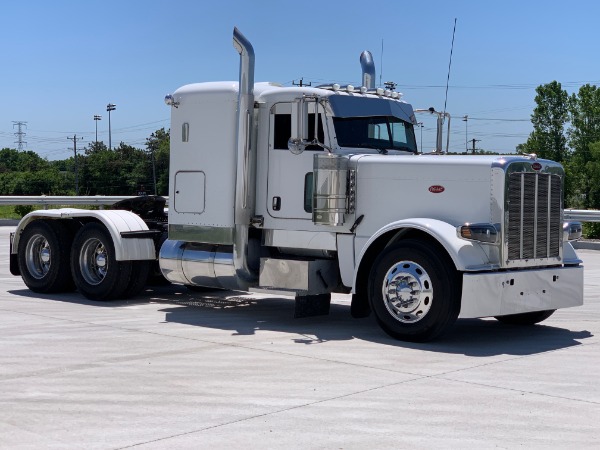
{"x": 305, "y": 191}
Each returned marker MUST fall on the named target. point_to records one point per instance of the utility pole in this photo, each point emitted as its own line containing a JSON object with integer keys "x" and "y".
{"x": 466, "y": 120}
{"x": 75, "y": 139}
{"x": 154, "y": 172}
{"x": 473, "y": 141}
{"x": 151, "y": 147}
{"x": 20, "y": 134}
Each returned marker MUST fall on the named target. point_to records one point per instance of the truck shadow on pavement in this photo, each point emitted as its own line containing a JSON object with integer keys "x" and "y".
{"x": 77, "y": 298}
{"x": 245, "y": 315}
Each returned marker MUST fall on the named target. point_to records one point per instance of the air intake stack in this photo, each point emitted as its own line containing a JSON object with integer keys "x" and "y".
{"x": 368, "y": 69}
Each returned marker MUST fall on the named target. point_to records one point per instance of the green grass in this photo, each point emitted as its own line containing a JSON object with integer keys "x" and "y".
{"x": 10, "y": 211}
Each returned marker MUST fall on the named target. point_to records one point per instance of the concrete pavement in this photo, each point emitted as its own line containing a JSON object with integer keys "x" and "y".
{"x": 178, "y": 369}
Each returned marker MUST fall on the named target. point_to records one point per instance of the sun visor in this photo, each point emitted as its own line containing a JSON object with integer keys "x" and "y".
{"x": 347, "y": 106}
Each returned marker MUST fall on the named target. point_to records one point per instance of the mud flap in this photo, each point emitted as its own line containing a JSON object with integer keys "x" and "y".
{"x": 360, "y": 307}
{"x": 14, "y": 258}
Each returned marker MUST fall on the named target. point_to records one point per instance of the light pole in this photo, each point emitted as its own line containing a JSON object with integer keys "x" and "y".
{"x": 466, "y": 120}
{"x": 96, "y": 119}
{"x": 420, "y": 125}
{"x": 110, "y": 107}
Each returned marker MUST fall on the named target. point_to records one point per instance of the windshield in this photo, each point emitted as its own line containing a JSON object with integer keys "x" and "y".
{"x": 380, "y": 132}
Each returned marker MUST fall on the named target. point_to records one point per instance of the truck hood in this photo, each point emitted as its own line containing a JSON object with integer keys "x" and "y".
{"x": 453, "y": 189}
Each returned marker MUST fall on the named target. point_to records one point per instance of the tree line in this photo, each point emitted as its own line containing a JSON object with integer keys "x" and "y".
{"x": 566, "y": 128}
{"x": 124, "y": 170}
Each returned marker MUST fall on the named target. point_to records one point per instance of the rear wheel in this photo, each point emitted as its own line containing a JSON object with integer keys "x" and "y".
{"x": 140, "y": 271}
{"x": 414, "y": 291}
{"x": 43, "y": 257}
{"x": 96, "y": 272}
{"x": 530, "y": 318}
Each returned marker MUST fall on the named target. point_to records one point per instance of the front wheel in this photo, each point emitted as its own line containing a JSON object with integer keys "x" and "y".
{"x": 414, "y": 291}
{"x": 96, "y": 272}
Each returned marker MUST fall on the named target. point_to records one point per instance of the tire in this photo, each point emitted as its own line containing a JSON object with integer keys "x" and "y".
{"x": 139, "y": 278}
{"x": 96, "y": 272}
{"x": 524, "y": 319}
{"x": 43, "y": 257}
{"x": 414, "y": 291}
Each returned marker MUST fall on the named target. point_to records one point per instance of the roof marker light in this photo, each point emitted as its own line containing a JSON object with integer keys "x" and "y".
{"x": 363, "y": 89}
{"x": 335, "y": 87}
{"x": 379, "y": 91}
{"x": 350, "y": 88}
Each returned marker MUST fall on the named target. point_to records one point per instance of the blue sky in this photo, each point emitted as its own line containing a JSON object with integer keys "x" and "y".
{"x": 63, "y": 61}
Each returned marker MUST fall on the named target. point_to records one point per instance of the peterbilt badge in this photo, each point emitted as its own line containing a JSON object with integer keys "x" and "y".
{"x": 436, "y": 189}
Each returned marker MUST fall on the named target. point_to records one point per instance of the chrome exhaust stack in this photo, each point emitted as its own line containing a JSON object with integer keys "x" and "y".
{"x": 244, "y": 185}
{"x": 223, "y": 262}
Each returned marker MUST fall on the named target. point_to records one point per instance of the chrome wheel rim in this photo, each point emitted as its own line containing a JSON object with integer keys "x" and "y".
{"x": 407, "y": 292}
{"x": 38, "y": 256}
{"x": 93, "y": 261}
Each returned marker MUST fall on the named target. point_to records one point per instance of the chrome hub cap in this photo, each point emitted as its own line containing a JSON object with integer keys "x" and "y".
{"x": 93, "y": 261}
{"x": 38, "y": 256}
{"x": 407, "y": 292}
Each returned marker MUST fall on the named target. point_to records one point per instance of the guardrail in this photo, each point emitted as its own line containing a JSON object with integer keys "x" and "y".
{"x": 47, "y": 200}
{"x": 582, "y": 215}
{"x": 61, "y": 200}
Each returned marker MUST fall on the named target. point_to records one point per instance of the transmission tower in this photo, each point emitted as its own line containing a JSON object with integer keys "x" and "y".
{"x": 20, "y": 134}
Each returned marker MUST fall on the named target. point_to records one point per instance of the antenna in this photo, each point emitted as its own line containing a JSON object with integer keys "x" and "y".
{"x": 301, "y": 83}
{"x": 381, "y": 64}
{"x": 449, "y": 66}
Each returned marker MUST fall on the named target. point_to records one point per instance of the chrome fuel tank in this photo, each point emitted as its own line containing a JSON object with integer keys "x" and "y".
{"x": 198, "y": 264}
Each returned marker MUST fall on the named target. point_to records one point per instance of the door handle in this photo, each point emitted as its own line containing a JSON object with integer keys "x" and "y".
{"x": 276, "y": 206}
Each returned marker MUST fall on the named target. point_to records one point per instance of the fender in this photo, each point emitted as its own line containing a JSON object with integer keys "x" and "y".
{"x": 116, "y": 221}
{"x": 466, "y": 255}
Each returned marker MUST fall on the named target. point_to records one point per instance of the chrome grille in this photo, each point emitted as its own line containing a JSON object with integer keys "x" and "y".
{"x": 534, "y": 215}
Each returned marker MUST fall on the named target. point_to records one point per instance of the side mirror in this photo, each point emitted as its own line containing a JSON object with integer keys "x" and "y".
{"x": 296, "y": 145}
{"x": 300, "y": 138}
{"x": 298, "y": 142}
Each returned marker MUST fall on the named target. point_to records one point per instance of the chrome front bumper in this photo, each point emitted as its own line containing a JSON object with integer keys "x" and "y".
{"x": 520, "y": 291}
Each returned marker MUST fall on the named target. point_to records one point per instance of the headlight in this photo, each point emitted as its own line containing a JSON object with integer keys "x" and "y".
{"x": 485, "y": 233}
{"x": 572, "y": 231}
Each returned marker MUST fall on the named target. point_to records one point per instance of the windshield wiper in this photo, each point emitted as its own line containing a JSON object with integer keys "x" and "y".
{"x": 380, "y": 149}
{"x": 404, "y": 148}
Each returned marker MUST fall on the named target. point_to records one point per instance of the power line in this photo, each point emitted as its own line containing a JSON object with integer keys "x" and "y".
{"x": 499, "y": 120}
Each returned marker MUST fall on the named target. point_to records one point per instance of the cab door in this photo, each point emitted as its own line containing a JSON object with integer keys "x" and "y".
{"x": 289, "y": 184}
